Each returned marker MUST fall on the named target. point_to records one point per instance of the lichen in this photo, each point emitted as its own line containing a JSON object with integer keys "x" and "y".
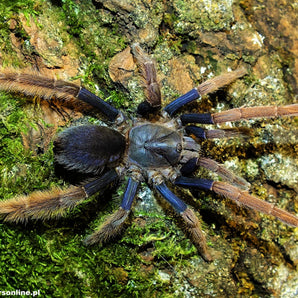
{"x": 202, "y": 15}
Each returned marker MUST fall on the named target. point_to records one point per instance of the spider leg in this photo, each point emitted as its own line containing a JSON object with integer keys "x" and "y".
{"x": 148, "y": 71}
{"x": 206, "y": 87}
{"x": 34, "y": 84}
{"x": 240, "y": 197}
{"x": 190, "y": 219}
{"x": 53, "y": 203}
{"x": 95, "y": 101}
{"x": 114, "y": 224}
{"x": 210, "y": 164}
{"x": 199, "y": 132}
{"x": 241, "y": 114}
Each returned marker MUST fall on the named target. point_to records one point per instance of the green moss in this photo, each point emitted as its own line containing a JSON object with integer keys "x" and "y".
{"x": 20, "y": 169}
{"x": 97, "y": 38}
{"x": 9, "y": 10}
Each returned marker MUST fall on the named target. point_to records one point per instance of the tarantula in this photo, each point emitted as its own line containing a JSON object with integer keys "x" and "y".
{"x": 142, "y": 150}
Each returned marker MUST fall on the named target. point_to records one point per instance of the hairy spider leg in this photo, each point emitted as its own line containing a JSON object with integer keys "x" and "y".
{"x": 202, "y": 133}
{"x": 35, "y": 84}
{"x": 239, "y": 196}
{"x": 194, "y": 163}
{"x": 226, "y": 116}
{"x": 206, "y": 87}
{"x": 241, "y": 114}
{"x": 151, "y": 87}
{"x": 190, "y": 219}
{"x": 255, "y": 112}
{"x": 53, "y": 203}
{"x": 98, "y": 184}
{"x": 95, "y": 101}
{"x": 176, "y": 104}
{"x": 113, "y": 225}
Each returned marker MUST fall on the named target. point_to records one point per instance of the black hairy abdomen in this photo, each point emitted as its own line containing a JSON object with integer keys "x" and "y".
{"x": 88, "y": 148}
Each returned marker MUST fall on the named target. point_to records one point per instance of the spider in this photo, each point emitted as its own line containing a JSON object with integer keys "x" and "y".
{"x": 154, "y": 152}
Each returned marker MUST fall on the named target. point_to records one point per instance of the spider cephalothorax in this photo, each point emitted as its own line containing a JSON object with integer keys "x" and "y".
{"x": 154, "y": 146}
{"x": 153, "y": 152}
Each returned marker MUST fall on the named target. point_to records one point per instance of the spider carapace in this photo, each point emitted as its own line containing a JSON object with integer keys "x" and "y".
{"x": 166, "y": 150}
{"x": 154, "y": 146}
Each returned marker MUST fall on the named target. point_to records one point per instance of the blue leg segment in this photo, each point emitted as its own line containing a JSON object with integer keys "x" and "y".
{"x": 203, "y": 118}
{"x": 144, "y": 109}
{"x": 189, "y": 167}
{"x": 172, "y": 107}
{"x": 187, "y": 182}
{"x": 129, "y": 194}
{"x": 177, "y": 204}
{"x": 199, "y": 132}
{"x": 97, "y": 184}
{"x": 97, "y": 102}
{"x": 114, "y": 224}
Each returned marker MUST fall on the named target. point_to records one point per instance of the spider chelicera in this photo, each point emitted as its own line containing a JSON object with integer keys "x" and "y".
{"x": 144, "y": 151}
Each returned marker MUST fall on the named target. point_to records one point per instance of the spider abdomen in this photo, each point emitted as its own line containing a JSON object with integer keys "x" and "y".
{"x": 154, "y": 146}
{"x": 89, "y": 148}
